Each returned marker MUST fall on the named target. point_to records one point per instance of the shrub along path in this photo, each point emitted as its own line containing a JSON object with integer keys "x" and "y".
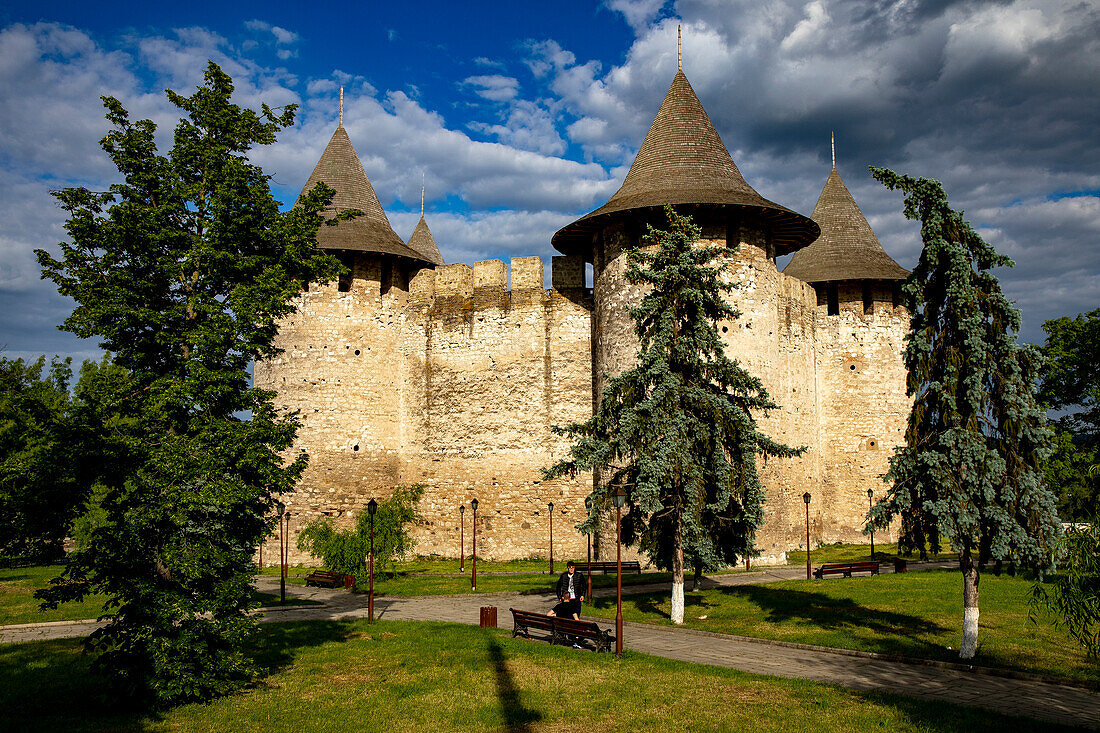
{"x": 1027, "y": 697}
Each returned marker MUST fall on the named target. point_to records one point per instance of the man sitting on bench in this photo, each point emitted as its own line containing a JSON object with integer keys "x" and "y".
{"x": 569, "y": 591}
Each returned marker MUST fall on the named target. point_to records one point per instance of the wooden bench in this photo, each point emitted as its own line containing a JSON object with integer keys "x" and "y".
{"x": 629, "y": 566}
{"x": 561, "y": 629}
{"x": 846, "y": 568}
{"x": 326, "y": 578}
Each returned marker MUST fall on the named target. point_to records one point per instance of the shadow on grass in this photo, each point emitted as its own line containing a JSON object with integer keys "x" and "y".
{"x": 51, "y": 685}
{"x": 819, "y": 611}
{"x": 517, "y": 717}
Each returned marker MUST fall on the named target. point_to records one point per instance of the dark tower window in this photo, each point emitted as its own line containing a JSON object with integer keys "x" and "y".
{"x": 833, "y": 299}
{"x": 347, "y": 259}
{"x": 868, "y": 299}
{"x": 895, "y": 292}
{"x": 387, "y": 275}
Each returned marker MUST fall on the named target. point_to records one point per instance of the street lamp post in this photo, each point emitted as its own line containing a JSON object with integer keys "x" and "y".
{"x": 286, "y": 551}
{"x": 473, "y": 576}
{"x": 806, "y": 498}
{"x": 372, "y": 507}
{"x": 461, "y": 538}
{"x": 870, "y": 506}
{"x": 550, "y": 506}
{"x": 588, "y": 508}
{"x": 620, "y": 500}
{"x": 280, "y": 507}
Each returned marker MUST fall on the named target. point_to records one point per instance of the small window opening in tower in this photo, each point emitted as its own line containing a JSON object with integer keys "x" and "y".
{"x": 895, "y": 293}
{"x": 387, "y": 275}
{"x": 833, "y": 298}
{"x": 347, "y": 259}
{"x": 868, "y": 299}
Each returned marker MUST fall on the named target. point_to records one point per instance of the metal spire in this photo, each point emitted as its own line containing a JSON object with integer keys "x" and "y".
{"x": 832, "y": 137}
{"x": 679, "y": 50}
{"x": 421, "y": 194}
{"x": 341, "y": 104}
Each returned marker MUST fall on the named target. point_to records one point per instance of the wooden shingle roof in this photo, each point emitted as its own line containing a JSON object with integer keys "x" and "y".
{"x": 683, "y": 161}
{"x": 423, "y": 242}
{"x": 339, "y": 167}
{"x": 848, "y": 248}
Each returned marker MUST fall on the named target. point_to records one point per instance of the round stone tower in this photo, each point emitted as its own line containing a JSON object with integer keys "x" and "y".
{"x": 683, "y": 162}
{"x": 342, "y": 366}
{"x": 861, "y": 328}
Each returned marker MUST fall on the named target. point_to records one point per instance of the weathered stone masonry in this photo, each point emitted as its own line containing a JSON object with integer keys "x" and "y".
{"x": 411, "y": 371}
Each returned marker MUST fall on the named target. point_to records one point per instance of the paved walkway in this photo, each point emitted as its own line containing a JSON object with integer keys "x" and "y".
{"x": 1026, "y": 697}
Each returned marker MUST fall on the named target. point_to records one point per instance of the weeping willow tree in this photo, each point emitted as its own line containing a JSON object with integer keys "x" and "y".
{"x": 971, "y": 469}
{"x": 678, "y": 431}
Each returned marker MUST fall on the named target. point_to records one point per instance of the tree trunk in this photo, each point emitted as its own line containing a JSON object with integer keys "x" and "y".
{"x": 698, "y": 577}
{"x": 677, "y": 575}
{"x": 970, "y": 605}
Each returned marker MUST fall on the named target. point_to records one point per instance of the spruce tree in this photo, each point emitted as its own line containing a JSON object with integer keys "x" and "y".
{"x": 971, "y": 468}
{"x": 678, "y": 431}
{"x": 183, "y": 270}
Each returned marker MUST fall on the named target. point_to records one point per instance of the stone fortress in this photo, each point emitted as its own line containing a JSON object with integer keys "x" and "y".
{"x": 412, "y": 371}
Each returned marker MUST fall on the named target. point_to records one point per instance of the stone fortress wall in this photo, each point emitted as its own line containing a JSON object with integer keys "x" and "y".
{"x": 442, "y": 377}
{"x": 447, "y": 378}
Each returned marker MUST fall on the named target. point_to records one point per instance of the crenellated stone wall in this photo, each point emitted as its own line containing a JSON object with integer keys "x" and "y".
{"x": 448, "y": 378}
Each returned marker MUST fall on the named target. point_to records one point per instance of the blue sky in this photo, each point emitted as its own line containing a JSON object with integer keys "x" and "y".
{"x": 522, "y": 116}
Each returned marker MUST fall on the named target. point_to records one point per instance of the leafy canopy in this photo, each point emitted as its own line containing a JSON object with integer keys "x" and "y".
{"x": 183, "y": 270}
{"x": 678, "y": 430}
{"x": 971, "y": 470}
{"x": 346, "y": 551}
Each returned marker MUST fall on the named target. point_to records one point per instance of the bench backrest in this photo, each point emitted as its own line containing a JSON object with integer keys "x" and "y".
{"x": 577, "y": 628}
{"x": 530, "y": 618}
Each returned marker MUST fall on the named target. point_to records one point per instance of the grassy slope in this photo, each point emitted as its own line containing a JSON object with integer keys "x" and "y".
{"x": 912, "y": 614}
{"x": 19, "y": 606}
{"x": 851, "y": 553}
{"x": 326, "y": 676}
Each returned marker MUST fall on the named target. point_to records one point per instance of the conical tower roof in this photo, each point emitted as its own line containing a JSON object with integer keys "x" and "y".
{"x": 339, "y": 167}
{"x": 423, "y": 242}
{"x": 683, "y": 161}
{"x": 848, "y": 248}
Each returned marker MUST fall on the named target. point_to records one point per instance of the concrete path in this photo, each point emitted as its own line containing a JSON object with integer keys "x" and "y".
{"x": 1026, "y": 697}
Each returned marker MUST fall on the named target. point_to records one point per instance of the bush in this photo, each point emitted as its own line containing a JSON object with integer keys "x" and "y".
{"x": 345, "y": 551}
{"x": 1074, "y": 593}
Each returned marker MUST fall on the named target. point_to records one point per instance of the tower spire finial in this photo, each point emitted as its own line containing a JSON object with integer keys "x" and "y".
{"x": 832, "y": 137}
{"x": 679, "y": 50}
{"x": 341, "y": 104}
{"x": 421, "y": 194}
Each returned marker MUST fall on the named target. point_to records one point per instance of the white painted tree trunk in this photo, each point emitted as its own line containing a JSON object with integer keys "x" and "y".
{"x": 677, "y": 614}
{"x": 970, "y": 607}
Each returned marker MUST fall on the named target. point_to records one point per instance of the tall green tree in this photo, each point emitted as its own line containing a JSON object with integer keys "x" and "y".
{"x": 40, "y": 486}
{"x": 1071, "y": 383}
{"x": 346, "y": 551}
{"x": 971, "y": 469}
{"x": 678, "y": 431}
{"x": 183, "y": 270}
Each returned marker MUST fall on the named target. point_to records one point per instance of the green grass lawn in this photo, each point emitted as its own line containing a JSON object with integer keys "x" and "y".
{"x": 840, "y": 552}
{"x": 403, "y": 676}
{"x": 416, "y": 583}
{"x": 19, "y": 606}
{"x": 916, "y": 614}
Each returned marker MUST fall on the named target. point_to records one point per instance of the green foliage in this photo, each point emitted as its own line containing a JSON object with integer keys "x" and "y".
{"x": 1073, "y": 594}
{"x": 971, "y": 467}
{"x": 183, "y": 271}
{"x": 679, "y": 429}
{"x": 40, "y": 461}
{"x": 346, "y": 551}
{"x": 1071, "y": 379}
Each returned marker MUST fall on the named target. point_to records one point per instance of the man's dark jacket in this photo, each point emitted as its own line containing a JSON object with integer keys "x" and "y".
{"x": 580, "y": 588}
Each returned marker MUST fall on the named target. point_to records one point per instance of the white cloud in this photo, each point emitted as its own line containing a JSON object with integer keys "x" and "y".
{"x": 495, "y": 87}
{"x": 638, "y": 13}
